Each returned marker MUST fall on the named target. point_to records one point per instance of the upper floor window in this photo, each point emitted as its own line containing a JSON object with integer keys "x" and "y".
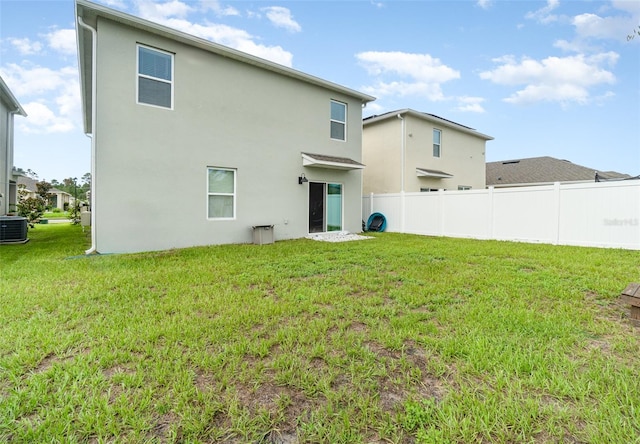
{"x": 155, "y": 77}
{"x": 338, "y": 120}
{"x": 221, "y": 193}
{"x": 437, "y": 134}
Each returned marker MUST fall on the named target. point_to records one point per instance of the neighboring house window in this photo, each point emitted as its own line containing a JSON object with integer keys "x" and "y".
{"x": 464, "y": 187}
{"x": 221, "y": 193}
{"x": 155, "y": 77}
{"x": 338, "y": 120}
{"x": 436, "y": 142}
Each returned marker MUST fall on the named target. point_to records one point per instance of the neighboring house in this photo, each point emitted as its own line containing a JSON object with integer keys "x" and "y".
{"x": 57, "y": 198}
{"x": 9, "y": 107}
{"x": 410, "y": 151}
{"x": 543, "y": 171}
{"x": 218, "y": 141}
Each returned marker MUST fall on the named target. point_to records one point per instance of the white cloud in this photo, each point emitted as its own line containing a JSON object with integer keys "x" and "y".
{"x": 630, "y": 6}
{"x": 425, "y": 74}
{"x": 50, "y": 97}
{"x": 120, "y": 4}
{"x": 218, "y": 9}
{"x": 621, "y": 21}
{"x": 25, "y": 46}
{"x": 63, "y": 40}
{"x": 41, "y": 119}
{"x": 543, "y": 15}
{"x": 281, "y": 17}
{"x": 484, "y": 4}
{"x": 612, "y": 27}
{"x": 222, "y": 34}
{"x": 153, "y": 11}
{"x": 554, "y": 79}
{"x": 470, "y": 104}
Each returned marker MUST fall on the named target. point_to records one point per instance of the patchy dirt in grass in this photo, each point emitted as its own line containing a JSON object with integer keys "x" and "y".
{"x": 46, "y": 363}
{"x": 162, "y": 427}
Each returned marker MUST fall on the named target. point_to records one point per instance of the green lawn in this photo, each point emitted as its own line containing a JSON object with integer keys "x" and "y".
{"x": 398, "y": 339}
{"x": 57, "y": 215}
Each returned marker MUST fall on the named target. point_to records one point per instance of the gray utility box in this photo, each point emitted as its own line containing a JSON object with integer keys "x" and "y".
{"x": 262, "y": 234}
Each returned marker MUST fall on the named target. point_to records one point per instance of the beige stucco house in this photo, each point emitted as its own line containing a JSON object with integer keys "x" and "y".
{"x": 57, "y": 198}
{"x": 9, "y": 107}
{"x": 216, "y": 141}
{"x": 410, "y": 151}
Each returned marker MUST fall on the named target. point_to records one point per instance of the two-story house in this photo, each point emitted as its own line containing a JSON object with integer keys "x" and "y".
{"x": 214, "y": 140}
{"x": 410, "y": 151}
{"x": 9, "y": 107}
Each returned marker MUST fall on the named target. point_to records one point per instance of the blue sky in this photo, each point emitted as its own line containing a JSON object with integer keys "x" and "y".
{"x": 544, "y": 78}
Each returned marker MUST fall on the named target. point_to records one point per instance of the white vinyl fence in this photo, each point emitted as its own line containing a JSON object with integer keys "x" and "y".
{"x": 602, "y": 214}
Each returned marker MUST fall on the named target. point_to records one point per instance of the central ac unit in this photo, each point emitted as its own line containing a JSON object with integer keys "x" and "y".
{"x": 13, "y": 230}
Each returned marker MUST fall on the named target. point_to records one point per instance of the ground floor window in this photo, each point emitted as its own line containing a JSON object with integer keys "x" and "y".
{"x": 325, "y": 207}
{"x": 221, "y": 193}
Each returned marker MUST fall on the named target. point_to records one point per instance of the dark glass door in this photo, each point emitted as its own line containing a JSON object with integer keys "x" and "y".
{"x": 316, "y": 207}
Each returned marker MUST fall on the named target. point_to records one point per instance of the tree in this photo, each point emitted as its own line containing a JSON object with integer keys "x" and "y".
{"x": 29, "y": 207}
{"x": 74, "y": 212}
{"x": 42, "y": 190}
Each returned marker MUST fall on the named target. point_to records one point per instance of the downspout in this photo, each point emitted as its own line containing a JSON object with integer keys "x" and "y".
{"x": 402, "y": 149}
{"x": 402, "y": 163}
{"x": 4, "y": 200}
{"x": 92, "y": 135}
{"x": 9, "y": 154}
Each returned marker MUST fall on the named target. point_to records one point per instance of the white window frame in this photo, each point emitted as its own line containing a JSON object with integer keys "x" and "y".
{"x": 326, "y": 198}
{"x": 332, "y": 120}
{"x": 233, "y": 195}
{"x": 325, "y": 205}
{"x": 439, "y": 145}
{"x": 138, "y": 75}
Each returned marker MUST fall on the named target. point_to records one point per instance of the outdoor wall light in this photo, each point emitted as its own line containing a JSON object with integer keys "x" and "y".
{"x": 302, "y": 179}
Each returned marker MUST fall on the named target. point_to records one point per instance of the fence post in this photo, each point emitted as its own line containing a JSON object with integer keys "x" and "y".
{"x": 402, "y": 211}
{"x": 556, "y": 197}
{"x": 441, "y": 210}
{"x": 491, "y": 217}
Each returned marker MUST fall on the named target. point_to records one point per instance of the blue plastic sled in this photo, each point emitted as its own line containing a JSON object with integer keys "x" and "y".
{"x": 376, "y": 222}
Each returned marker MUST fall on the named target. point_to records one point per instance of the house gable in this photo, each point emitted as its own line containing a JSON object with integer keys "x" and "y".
{"x": 410, "y": 151}
{"x": 89, "y": 14}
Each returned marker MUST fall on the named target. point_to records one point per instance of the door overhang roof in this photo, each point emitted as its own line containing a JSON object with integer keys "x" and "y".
{"x": 331, "y": 162}
{"x": 425, "y": 172}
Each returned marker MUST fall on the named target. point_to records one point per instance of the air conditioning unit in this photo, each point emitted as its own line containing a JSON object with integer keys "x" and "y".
{"x": 13, "y": 230}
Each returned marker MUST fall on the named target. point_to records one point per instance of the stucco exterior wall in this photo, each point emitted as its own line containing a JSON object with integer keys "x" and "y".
{"x": 462, "y": 155}
{"x": 151, "y": 163}
{"x": 381, "y": 153}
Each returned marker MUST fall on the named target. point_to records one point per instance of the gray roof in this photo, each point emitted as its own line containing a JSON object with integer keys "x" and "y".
{"x": 326, "y": 161}
{"x": 28, "y": 182}
{"x": 425, "y": 116}
{"x": 543, "y": 170}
